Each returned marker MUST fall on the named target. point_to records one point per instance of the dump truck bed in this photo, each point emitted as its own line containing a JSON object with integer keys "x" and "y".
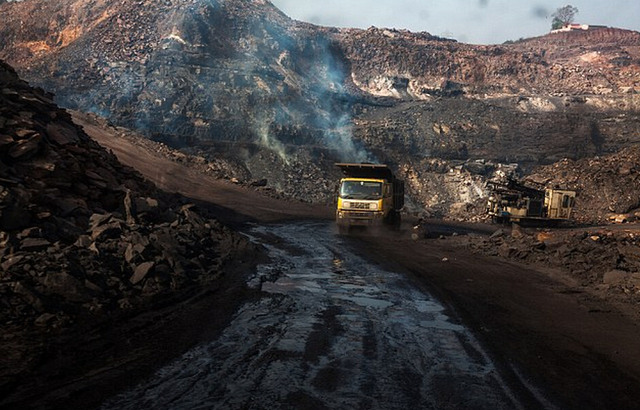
{"x": 374, "y": 171}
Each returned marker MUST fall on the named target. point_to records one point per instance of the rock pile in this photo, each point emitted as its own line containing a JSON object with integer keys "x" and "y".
{"x": 598, "y": 258}
{"x": 83, "y": 237}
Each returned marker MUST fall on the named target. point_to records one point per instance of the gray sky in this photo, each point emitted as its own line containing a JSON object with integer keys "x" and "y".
{"x": 468, "y": 21}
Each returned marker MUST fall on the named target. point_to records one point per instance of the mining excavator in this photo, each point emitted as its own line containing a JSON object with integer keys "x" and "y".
{"x": 512, "y": 201}
{"x": 369, "y": 195}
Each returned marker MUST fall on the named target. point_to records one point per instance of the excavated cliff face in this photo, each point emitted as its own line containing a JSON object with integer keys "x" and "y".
{"x": 538, "y": 101}
{"x": 239, "y": 78}
{"x": 417, "y": 66}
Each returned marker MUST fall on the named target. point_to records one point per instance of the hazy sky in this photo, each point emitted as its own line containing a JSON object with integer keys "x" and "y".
{"x": 469, "y": 21}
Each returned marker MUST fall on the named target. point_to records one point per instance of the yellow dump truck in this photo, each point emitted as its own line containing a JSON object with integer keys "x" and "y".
{"x": 369, "y": 195}
{"x": 516, "y": 202}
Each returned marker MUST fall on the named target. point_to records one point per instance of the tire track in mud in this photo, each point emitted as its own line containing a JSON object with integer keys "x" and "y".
{"x": 331, "y": 332}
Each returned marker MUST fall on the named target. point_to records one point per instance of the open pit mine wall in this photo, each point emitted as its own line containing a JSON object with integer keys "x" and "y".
{"x": 450, "y": 148}
{"x": 211, "y": 75}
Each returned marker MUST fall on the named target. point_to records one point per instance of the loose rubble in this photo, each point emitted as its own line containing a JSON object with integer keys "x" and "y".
{"x": 84, "y": 239}
{"x": 608, "y": 186}
{"x": 604, "y": 260}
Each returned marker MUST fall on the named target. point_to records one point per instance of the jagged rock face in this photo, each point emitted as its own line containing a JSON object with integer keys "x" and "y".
{"x": 50, "y": 168}
{"x": 81, "y": 235}
{"x": 417, "y": 66}
{"x": 206, "y": 75}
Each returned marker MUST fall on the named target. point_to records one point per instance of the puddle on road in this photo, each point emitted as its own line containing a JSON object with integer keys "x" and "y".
{"x": 366, "y": 302}
{"x": 288, "y": 285}
{"x": 332, "y": 331}
{"x": 347, "y": 278}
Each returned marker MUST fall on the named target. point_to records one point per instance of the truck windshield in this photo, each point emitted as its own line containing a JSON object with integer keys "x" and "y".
{"x": 360, "y": 190}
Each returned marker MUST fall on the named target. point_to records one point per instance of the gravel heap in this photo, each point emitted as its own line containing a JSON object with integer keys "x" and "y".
{"x": 82, "y": 236}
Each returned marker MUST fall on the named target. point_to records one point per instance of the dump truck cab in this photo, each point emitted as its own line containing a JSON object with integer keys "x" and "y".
{"x": 369, "y": 194}
{"x": 559, "y": 203}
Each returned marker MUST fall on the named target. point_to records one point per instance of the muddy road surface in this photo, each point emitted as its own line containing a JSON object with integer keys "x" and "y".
{"x": 331, "y": 331}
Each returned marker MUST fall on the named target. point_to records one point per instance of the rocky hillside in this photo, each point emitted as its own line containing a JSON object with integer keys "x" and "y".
{"x": 183, "y": 70}
{"x": 241, "y": 79}
{"x": 416, "y": 66}
{"x": 83, "y": 238}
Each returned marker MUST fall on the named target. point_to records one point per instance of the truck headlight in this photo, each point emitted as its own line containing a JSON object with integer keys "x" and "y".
{"x": 373, "y": 206}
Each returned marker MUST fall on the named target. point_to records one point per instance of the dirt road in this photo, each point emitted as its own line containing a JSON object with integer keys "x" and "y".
{"x": 234, "y": 203}
{"x": 538, "y": 324}
{"x": 333, "y": 331}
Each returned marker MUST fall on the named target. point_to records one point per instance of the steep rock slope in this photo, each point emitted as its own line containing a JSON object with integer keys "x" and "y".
{"x": 183, "y": 70}
{"x": 418, "y": 66}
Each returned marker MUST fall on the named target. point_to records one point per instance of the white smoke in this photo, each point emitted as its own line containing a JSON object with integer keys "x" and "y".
{"x": 340, "y": 138}
{"x": 268, "y": 140}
